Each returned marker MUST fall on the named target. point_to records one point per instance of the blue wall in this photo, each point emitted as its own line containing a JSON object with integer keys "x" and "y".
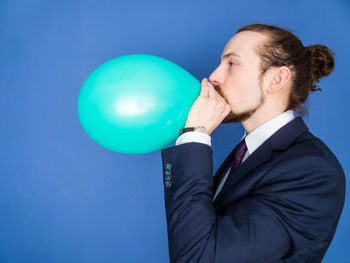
{"x": 64, "y": 198}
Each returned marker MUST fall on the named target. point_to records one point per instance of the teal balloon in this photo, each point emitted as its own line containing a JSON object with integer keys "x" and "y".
{"x": 136, "y": 103}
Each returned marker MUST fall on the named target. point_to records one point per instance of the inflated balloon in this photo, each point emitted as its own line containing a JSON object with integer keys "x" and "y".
{"x": 136, "y": 103}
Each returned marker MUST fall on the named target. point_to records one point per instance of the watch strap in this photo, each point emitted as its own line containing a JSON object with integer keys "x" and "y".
{"x": 199, "y": 129}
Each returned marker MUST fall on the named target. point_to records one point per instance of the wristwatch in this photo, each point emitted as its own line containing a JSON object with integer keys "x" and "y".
{"x": 197, "y": 129}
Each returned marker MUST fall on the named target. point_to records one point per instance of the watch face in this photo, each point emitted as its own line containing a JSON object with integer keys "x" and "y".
{"x": 201, "y": 129}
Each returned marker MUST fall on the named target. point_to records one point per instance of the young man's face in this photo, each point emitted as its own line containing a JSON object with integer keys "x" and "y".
{"x": 237, "y": 77}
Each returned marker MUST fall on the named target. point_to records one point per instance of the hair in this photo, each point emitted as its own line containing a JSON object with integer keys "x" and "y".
{"x": 307, "y": 64}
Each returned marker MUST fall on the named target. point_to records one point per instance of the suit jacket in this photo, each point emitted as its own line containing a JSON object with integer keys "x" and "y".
{"x": 281, "y": 205}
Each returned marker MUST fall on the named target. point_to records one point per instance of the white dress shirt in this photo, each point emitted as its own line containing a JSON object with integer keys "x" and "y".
{"x": 253, "y": 139}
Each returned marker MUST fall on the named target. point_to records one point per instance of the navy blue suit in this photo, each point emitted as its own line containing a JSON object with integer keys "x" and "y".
{"x": 281, "y": 205}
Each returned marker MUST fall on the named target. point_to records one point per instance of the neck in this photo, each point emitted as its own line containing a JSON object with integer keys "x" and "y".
{"x": 261, "y": 116}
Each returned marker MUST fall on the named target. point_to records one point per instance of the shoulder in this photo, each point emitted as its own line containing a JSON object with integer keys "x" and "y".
{"x": 306, "y": 173}
{"x": 308, "y": 154}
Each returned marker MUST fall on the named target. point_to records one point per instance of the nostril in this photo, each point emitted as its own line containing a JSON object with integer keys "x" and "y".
{"x": 215, "y": 83}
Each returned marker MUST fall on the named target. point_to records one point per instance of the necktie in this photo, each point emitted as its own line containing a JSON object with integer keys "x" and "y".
{"x": 238, "y": 154}
{"x": 240, "y": 151}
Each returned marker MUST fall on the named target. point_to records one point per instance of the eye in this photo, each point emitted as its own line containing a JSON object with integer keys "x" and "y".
{"x": 231, "y": 63}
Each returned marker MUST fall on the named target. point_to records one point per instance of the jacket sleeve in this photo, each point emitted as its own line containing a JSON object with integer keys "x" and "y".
{"x": 252, "y": 230}
{"x": 195, "y": 232}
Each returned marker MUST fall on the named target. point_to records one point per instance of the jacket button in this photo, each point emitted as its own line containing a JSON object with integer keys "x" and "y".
{"x": 167, "y": 172}
{"x": 168, "y": 166}
{"x": 167, "y": 178}
{"x": 167, "y": 184}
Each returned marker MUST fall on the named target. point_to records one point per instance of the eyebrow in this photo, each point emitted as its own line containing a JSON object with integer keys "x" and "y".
{"x": 228, "y": 55}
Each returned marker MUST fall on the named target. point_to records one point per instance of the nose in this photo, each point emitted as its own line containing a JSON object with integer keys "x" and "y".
{"x": 216, "y": 77}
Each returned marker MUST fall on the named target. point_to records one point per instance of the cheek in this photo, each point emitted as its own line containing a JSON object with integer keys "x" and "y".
{"x": 251, "y": 96}
{"x": 242, "y": 89}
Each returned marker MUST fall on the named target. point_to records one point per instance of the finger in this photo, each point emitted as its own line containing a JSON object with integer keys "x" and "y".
{"x": 204, "y": 89}
{"x": 221, "y": 98}
{"x": 214, "y": 94}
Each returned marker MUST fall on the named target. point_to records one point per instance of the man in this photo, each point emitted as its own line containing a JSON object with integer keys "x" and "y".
{"x": 279, "y": 194}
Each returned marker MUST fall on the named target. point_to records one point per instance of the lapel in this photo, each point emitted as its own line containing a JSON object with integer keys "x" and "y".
{"x": 280, "y": 140}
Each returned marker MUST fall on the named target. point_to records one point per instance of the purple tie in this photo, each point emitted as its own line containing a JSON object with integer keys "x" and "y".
{"x": 240, "y": 150}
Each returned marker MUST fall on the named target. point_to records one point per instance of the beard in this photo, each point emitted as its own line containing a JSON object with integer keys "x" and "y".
{"x": 241, "y": 116}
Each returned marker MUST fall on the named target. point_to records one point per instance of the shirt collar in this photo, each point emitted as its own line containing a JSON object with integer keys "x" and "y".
{"x": 260, "y": 134}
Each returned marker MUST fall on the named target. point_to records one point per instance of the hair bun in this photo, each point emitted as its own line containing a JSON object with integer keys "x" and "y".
{"x": 322, "y": 61}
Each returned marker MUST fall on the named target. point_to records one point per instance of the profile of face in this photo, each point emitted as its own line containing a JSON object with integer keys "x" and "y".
{"x": 237, "y": 78}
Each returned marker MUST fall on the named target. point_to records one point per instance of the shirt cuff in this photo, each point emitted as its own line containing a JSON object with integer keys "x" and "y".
{"x": 194, "y": 136}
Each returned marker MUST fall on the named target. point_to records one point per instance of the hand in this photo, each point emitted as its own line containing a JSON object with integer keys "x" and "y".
{"x": 209, "y": 109}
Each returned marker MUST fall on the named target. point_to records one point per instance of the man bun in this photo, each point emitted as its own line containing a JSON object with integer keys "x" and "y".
{"x": 321, "y": 62}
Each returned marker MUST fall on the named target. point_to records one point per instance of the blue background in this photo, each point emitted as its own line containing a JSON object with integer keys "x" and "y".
{"x": 64, "y": 198}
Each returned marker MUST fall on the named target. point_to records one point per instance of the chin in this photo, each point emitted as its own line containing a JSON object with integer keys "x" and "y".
{"x": 238, "y": 117}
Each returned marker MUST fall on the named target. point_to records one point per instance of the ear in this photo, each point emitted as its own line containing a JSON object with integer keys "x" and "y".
{"x": 279, "y": 79}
